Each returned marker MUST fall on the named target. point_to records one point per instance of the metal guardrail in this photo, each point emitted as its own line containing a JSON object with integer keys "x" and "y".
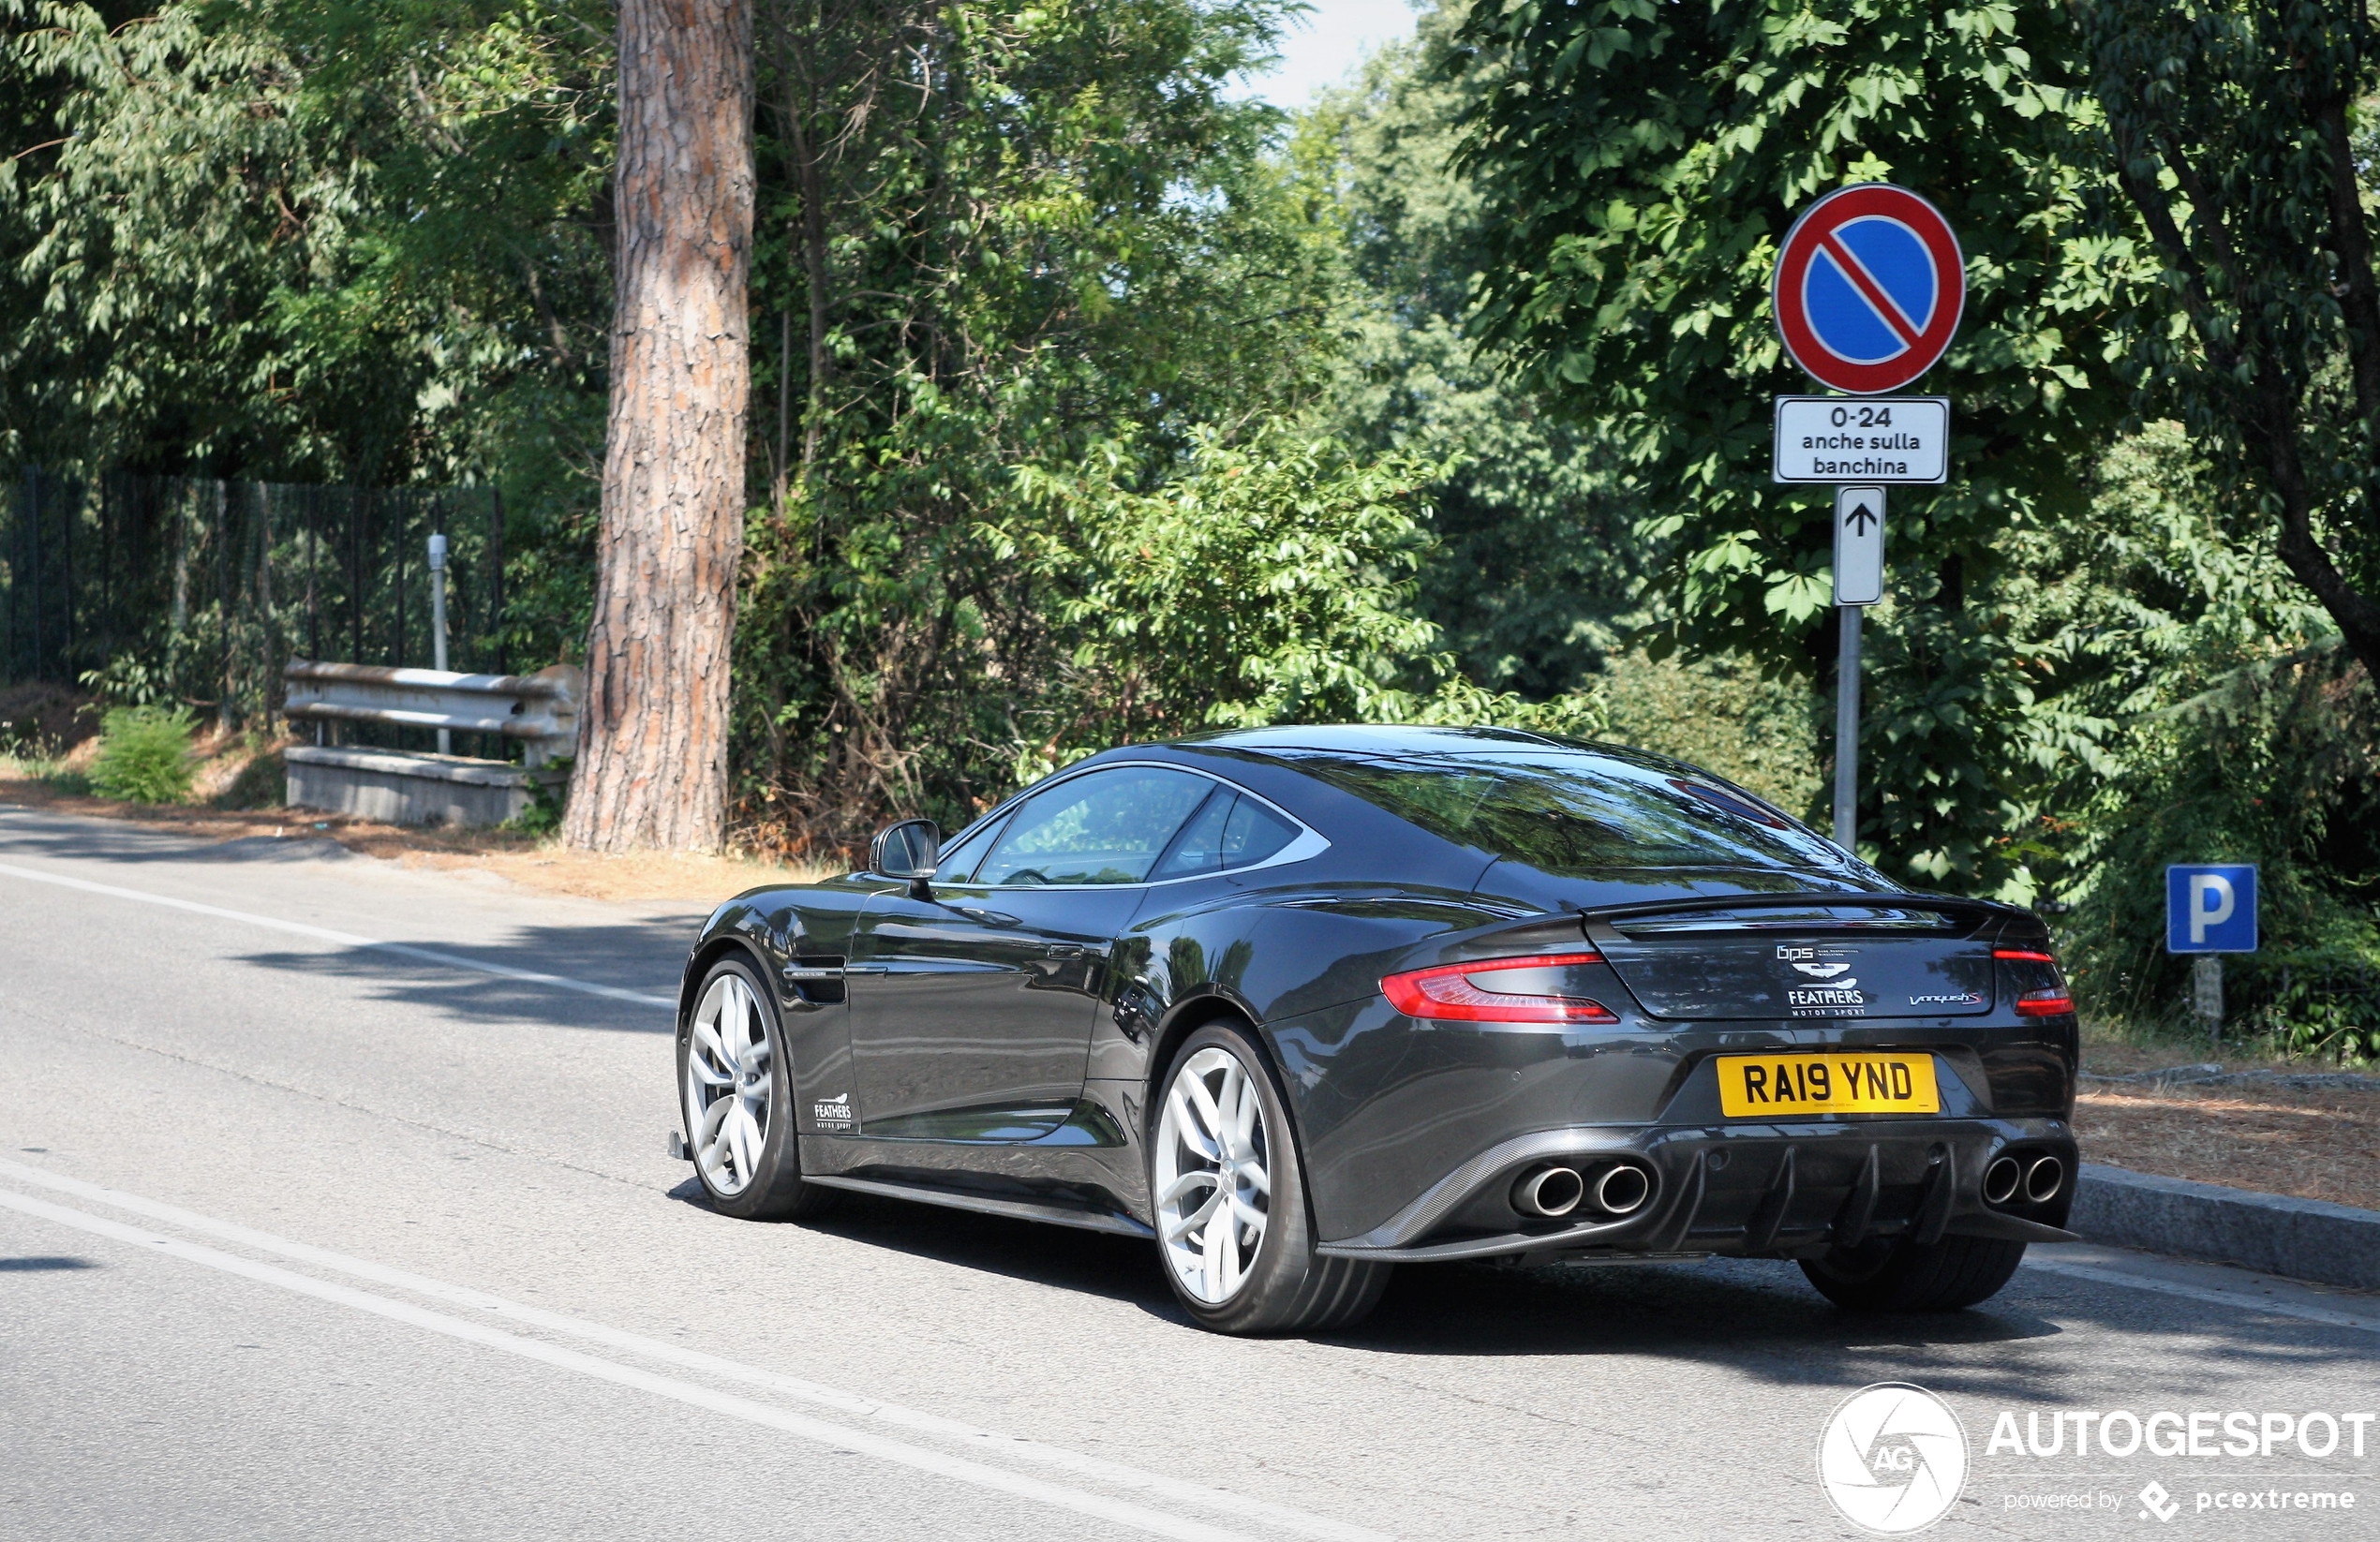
{"x": 539, "y": 709}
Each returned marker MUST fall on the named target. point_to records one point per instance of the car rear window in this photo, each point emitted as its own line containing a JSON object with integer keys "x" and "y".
{"x": 1574, "y": 814}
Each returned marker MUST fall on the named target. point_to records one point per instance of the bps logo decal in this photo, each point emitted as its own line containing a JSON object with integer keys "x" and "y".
{"x": 832, "y": 1114}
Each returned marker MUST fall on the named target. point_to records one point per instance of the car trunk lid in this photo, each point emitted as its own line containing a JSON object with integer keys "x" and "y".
{"x": 1819, "y": 958}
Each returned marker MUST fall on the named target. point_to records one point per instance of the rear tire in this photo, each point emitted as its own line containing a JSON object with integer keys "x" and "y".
{"x": 1957, "y": 1271}
{"x": 735, "y": 1091}
{"x": 1222, "y": 1152}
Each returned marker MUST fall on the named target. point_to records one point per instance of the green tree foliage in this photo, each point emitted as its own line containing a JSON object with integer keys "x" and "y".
{"x": 1535, "y": 563}
{"x": 2236, "y": 728}
{"x": 2237, "y": 133}
{"x": 1062, "y": 239}
{"x": 1721, "y": 713}
{"x": 1269, "y": 581}
{"x": 306, "y": 239}
{"x": 310, "y": 239}
{"x": 1641, "y": 162}
{"x": 315, "y": 241}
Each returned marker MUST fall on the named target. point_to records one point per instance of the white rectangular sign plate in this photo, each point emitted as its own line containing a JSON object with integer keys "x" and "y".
{"x": 1859, "y": 545}
{"x": 1862, "y": 439}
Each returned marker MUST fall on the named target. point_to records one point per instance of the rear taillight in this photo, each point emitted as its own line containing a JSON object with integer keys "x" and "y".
{"x": 1482, "y": 992}
{"x": 2052, "y": 999}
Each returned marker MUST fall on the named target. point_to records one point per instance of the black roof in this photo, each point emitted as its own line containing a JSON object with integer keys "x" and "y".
{"x": 1381, "y": 739}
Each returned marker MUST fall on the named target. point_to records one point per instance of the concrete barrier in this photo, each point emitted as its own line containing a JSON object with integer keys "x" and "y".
{"x": 2301, "y": 1239}
{"x": 403, "y": 788}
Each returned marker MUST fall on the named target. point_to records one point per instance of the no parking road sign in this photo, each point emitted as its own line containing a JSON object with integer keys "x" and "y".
{"x": 1868, "y": 289}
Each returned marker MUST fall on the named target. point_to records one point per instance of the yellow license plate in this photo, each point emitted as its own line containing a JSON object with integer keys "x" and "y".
{"x": 1791, "y": 1085}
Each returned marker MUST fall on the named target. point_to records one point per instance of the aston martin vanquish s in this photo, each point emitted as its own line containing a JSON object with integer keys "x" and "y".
{"x": 1301, "y": 1004}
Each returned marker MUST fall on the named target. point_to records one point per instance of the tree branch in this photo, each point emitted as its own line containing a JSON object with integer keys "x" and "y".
{"x": 2351, "y": 238}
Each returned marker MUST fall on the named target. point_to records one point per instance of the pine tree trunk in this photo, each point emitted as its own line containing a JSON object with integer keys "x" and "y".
{"x": 652, "y": 760}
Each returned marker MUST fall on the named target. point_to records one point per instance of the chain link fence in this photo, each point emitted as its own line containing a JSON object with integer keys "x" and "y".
{"x": 196, "y": 591}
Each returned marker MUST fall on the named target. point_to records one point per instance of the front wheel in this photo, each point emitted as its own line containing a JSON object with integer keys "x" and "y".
{"x": 734, "y": 1083}
{"x": 1230, "y": 1194}
{"x": 1957, "y": 1271}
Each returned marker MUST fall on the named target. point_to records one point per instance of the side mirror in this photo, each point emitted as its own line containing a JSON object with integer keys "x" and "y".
{"x": 907, "y": 850}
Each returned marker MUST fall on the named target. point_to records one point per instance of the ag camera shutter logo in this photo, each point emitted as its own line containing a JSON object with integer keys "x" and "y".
{"x": 1892, "y": 1459}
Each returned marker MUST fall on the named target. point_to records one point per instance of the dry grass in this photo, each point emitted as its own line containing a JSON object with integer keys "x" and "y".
{"x": 2114, "y": 1057}
{"x": 550, "y": 868}
{"x": 2314, "y": 1145}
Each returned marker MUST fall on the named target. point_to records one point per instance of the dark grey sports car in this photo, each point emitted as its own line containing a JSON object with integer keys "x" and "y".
{"x": 1304, "y": 1003}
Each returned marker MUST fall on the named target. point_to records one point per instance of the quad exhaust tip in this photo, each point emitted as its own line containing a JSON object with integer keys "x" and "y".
{"x": 1623, "y": 1189}
{"x": 2037, "y": 1180}
{"x": 1620, "y": 1188}
{"x": 1549, "y": 1191}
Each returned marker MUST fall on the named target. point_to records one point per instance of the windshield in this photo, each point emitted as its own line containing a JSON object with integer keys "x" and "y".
{"x": 1574, "y": 814}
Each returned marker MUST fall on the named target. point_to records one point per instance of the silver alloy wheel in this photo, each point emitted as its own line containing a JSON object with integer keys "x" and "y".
{"x": 728, "y": 1082}
{"x": 1214, "y": 1191}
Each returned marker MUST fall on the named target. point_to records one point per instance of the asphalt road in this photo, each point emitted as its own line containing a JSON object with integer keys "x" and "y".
{"x": 318, "y": 1219}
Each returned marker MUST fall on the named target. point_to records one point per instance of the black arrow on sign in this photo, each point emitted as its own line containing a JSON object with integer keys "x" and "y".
{"x": 1860, "y": 518}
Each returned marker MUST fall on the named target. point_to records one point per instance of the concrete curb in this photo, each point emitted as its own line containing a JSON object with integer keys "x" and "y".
{"x": 2301, "y": 1239}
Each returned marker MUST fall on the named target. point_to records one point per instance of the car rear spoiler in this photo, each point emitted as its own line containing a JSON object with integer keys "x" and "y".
{"x": 1978, "y": 910}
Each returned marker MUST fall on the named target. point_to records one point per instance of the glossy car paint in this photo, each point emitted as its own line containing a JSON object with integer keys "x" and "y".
{"x": 1001, "y": 1059}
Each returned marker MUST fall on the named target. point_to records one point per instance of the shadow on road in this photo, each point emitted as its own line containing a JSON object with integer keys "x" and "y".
{"x": 643, "y": 957}
{"x": 43, "y": 1265}
{"x": 1744, "y": 1316}
{"x": 1120, "y": 1269}
{"x": 31, "y": 833}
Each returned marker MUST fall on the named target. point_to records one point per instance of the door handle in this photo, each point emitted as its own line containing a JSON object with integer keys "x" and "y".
{"x": 1066, "y": 950}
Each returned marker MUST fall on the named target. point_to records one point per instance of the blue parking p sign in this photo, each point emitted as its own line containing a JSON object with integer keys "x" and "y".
{"x": 2210, "y": 909}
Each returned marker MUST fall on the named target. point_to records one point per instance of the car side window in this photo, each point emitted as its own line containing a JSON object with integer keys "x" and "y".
{"x": 1254, "y": 834}
{"x": 959, "y": 865}
{"x": 1198, "y": 850}
{"x": 1107, "y": 827}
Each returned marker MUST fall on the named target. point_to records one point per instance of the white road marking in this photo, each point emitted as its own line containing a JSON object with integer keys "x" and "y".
{"x": 451, "y": 960}
{"x": 987, "y": 1441}
{"x": 842, "y": 1437}
{"x": 2195, "y": 1293}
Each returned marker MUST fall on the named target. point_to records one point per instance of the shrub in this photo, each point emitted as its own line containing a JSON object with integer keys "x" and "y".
{"x": 547, "y": 804}
{"x": 144, "y": 755}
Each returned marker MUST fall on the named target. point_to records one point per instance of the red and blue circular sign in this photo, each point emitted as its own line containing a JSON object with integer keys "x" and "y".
{"x": 1868, "y": 289}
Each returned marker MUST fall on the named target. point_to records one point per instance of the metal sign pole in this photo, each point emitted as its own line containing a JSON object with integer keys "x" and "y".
{"x": 1847, "y": 732}
{"x": 1859, "y": 582}
{"x": 2206, "y": 994}
{"x": 437, "y": 623}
